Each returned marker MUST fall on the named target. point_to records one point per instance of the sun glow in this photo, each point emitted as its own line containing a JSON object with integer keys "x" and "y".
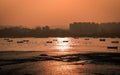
{"x": 63, "y": 44}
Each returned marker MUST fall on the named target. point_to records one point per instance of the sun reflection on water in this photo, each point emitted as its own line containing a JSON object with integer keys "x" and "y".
{"x": 63, "y": 44}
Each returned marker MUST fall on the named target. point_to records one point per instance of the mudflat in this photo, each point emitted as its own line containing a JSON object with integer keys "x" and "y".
{"x": 58, "y": 63}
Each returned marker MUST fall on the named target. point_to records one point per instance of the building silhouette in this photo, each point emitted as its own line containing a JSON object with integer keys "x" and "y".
{"x": 83, "y": 28}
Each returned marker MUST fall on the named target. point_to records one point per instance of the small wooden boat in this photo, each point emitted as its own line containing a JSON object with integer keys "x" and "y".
{"x": 65, "y": 41}
{"x": 102, "y": 39}
{"x": 20, "y": 41}
{"x": 112, "y": 47}
{"x": 25, "y": 40}
{"x": 43, "y": 55}
{"x": 49, "y": 42}
{"x": 114, "y": 41}
{"x": 87, "y": 39}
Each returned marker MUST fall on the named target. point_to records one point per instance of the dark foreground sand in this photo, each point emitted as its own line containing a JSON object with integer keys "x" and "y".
{"x": 59, "y": 63}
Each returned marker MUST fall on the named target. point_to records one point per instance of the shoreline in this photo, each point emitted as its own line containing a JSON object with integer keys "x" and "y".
{"x": 42, "y": 63}
{"x": 31, "y": 56}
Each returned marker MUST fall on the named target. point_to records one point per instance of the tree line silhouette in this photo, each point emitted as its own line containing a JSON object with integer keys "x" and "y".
{"x": 35, "y": 32}
{"x": 77, "y": 29}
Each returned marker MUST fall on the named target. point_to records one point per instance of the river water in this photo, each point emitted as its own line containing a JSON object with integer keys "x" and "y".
{"x": 59, "y": 44}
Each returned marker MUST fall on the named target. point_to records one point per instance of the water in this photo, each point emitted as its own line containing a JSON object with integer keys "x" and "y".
{"x": 21, "y": 55}
{"x": 60, "y": 44}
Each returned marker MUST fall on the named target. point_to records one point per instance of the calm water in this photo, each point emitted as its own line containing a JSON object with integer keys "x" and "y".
{"x": 59, "y": 44}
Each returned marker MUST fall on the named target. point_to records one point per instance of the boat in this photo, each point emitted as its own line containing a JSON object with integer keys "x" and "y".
{"x": 114, "y": 41}
{"x": 112, "y": 47}
{"x": 87, "y": 39}
{"x": 43, "y": 55}
{"x": 102, "y": 39}
{"x": 25, "y": 40}
{"x": 65, "y": 41}
{"x": 20, "y": 41}
{"x": 49, "y": 42}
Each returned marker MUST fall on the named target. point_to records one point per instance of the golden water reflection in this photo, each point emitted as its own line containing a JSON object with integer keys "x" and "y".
{"x": 63, "y": 44}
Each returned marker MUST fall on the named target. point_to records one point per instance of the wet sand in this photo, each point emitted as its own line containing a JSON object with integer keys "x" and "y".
{"x": 59, "y": 63}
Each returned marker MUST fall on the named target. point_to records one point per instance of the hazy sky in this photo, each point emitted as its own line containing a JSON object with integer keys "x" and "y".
{"x": 57, "y": 13}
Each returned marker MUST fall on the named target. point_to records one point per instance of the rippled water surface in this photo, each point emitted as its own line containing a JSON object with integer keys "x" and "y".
{"x": 59, "y": 44}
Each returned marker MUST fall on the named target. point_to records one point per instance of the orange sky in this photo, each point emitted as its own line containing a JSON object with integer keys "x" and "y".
{"x": 57, "y": 13}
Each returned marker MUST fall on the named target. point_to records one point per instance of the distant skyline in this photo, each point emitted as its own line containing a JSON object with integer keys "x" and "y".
{"x": 57, "y": 13}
